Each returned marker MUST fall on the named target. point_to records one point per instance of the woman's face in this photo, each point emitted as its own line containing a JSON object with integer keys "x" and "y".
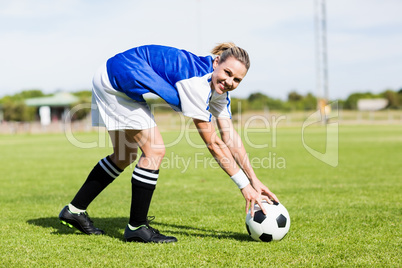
{"x": 227, "y": 75}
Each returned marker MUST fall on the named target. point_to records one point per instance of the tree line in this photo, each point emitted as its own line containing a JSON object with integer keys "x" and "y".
{"x": 13, "y": 107}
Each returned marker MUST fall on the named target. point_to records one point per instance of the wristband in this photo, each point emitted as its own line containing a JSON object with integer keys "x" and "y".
{"x": 240, "y": 179}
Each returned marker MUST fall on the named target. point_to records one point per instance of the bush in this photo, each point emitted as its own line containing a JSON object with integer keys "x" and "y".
{"x": 259, "y": 101}
{"x": 15, "y": 109}
{"x": 393, "y": 99}
{"x": 18, "y": 111}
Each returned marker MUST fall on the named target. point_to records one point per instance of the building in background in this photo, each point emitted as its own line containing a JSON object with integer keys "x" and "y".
{"x": 372, "y": 104}
{"x": 53, "y": 108}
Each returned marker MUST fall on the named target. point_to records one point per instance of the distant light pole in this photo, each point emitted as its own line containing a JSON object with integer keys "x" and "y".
{"x": 321, "y": 57}
{"x": 199, "y": 26}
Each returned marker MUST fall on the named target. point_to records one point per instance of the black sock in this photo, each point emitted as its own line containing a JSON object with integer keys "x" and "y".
{"x": 143, "y": 184}
{"x": 100, "y": 177}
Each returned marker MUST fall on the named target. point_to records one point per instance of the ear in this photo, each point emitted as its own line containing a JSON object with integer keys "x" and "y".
{"x": 216, "y": 62}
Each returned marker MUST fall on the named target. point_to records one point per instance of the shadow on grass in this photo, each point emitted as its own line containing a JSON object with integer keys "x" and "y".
{"x": 114, "y": 227}
{"x": 184, "y": 230}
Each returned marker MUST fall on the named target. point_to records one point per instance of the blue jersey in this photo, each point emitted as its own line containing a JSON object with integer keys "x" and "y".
{"x": 155, "y": 69}
{"x": 179, "y": 77}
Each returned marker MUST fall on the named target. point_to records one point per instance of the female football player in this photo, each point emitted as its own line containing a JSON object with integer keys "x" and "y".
{"x": 196, "y": 86}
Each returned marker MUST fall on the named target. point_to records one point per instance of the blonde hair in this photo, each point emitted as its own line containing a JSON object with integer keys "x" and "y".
{"x": 229, "y": 49}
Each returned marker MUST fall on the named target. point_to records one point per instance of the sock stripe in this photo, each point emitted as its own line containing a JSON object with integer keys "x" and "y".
{"x": 147, "y": 174}
{"x": 112, "y": 166}
{"x": 144, "y": 180}
{"x": 109, "y": 168}
{"x": 136, "y": 175}
{"x": 144, "y": 176}
{"x": 148, "y": 170}
{"x": 111, "y": 174}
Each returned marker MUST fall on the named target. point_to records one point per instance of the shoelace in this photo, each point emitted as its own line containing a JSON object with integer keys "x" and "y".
{"x": 87, "y": 217}
{"x": 149, "y": 220}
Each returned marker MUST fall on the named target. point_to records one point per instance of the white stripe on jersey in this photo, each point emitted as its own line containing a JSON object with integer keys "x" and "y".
{"x": 199, "y": 101}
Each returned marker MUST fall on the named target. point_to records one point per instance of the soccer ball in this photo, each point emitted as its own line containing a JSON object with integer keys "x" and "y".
{"x": 273, "y": 226}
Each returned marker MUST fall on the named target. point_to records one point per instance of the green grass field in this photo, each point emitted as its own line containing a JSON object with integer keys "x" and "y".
{"x": 342, "y": 216}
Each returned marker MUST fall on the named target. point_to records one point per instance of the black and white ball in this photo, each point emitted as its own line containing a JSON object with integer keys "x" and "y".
{"x": 273, "y": 226}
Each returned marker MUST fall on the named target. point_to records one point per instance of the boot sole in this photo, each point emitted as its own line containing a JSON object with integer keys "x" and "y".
{"x": 67, "y": 224}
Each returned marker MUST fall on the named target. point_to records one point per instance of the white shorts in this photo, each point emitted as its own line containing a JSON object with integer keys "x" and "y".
{"x": 114, "y": 109}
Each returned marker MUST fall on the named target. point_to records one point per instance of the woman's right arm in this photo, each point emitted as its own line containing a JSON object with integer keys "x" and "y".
{"x": 223, "y": 156}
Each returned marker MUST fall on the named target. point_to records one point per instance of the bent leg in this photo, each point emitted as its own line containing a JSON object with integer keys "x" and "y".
{"x": 126, "y": 144}
{"x": 103, "y": 173}
{"x": 146, "y": 172}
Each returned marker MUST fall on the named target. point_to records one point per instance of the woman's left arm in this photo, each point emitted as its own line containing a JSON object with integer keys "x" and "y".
{"x": 233, "y": 141}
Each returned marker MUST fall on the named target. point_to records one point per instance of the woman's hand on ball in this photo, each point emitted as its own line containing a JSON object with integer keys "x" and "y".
{"x": 263, "y": 190}
{"x": 252, "y": 196}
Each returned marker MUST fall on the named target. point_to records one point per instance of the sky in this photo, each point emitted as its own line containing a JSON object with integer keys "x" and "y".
{"x": 55, "y": 45}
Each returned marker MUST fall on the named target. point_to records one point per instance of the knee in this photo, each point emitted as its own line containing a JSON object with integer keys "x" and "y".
{"x": 158, "y": 153}
{"x": 152, "y": 159}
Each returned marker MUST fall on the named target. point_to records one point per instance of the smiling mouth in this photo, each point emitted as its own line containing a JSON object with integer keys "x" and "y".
{"x": 222, "y": 86}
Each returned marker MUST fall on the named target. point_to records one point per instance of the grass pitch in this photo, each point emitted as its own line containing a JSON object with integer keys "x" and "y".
{"x": 348, "y": 215}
